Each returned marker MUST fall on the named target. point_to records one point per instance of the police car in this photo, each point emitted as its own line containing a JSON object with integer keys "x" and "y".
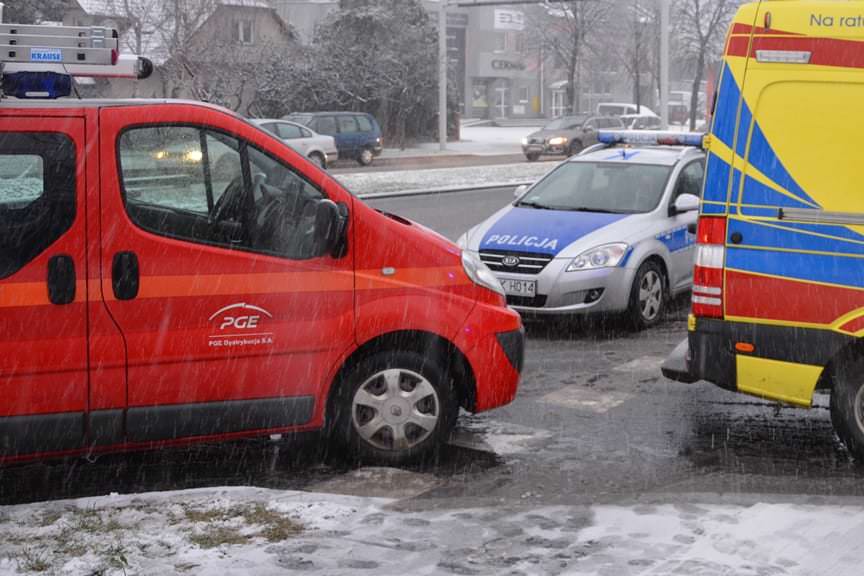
{"x": 609, "y": 230}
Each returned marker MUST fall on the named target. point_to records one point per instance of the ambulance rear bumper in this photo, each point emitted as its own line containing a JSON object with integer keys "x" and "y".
{"x": 709, "y": 351}
{"x": 702, "y": 356}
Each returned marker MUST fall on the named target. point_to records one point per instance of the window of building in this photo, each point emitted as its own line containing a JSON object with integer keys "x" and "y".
{"x": 243, "y": 31}
{"x": 500, "y": 41}
{"x": 207, "y": 187}
{"x": 523, "y": 94}
{"x": 37, "y": 195}
{"x": 519, "y": 42}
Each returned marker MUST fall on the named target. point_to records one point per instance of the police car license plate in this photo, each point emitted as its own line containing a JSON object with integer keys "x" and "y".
{"x": 526, "y": 288}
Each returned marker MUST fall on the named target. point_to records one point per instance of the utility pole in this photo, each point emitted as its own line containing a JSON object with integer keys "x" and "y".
{"x": 442, "y": 74}
{"x": 664, "y": 62}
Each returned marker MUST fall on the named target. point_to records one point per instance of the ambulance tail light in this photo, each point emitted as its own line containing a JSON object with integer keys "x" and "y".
{"x": 708, "y": 272}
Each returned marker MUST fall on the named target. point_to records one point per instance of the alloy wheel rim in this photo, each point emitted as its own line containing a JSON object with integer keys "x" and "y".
{"x": 395, "y": 409}
{"x": 650, "y": 295}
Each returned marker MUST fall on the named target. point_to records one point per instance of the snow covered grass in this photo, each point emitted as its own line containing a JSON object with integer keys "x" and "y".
{"x": 406, "y": 180}
{"x": 228, "y": 531}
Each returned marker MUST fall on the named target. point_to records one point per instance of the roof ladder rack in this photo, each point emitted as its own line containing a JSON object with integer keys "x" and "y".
{"x": 33, "y": 58}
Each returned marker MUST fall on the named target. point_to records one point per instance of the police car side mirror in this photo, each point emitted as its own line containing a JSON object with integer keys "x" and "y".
{"x": 520, "y": 190}
{"x": 686, "y": 203}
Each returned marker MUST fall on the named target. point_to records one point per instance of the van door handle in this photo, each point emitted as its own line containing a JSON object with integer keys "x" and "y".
{"x": 61, "y": 280}
{"x": 125, "y": 276}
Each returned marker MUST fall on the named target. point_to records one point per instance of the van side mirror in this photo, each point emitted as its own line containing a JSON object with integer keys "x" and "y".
{"x": 685, "y": 203}
{"x": 331, "y": 225}
{"x": 520, "y": 190}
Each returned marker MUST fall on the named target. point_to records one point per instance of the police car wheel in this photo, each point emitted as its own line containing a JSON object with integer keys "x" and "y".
{"x": 647, "y": 296}
{"x": 847, "y": 404}
{"x": 395, "y": 408}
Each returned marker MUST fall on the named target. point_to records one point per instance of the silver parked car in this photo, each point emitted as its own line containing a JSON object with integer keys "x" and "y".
{"x": 610, "y": 230}
{"x": 320, "y": 149}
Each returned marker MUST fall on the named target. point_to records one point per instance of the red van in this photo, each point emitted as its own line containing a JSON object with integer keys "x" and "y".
{"x": 170, "y": 273}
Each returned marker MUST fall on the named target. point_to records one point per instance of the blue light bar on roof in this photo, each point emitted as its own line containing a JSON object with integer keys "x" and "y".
{"x": 651, "y": 138}
{"x": 37, "y": 85}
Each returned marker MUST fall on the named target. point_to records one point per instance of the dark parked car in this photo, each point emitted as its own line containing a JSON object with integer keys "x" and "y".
{"x": 357, "y": 135}
{"x": 567, "y": 135}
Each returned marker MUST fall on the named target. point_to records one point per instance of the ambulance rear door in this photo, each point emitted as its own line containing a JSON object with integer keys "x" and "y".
{"x": 795, "y": 239}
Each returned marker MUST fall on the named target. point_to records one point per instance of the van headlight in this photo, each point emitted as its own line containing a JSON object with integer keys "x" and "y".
{"x": 558, "y": 141}
{"x": 606, "y": 256}
{"x": 525, "y": 141}
{"x": 479, "y": 273}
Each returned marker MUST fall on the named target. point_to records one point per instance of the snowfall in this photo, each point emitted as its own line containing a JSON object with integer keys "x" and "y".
{"x": 328, "y": 530}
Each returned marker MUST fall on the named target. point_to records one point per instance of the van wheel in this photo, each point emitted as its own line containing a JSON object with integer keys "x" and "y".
{"x": 847, "y": 405}
{"x": 647, "y": 296}
{"x": 317, "y": 159}
{"x": 532, "y": 157}
{"x": 395, "y": 408}
{"x": 575, "y": 148}
{"x": 365, "y": 158}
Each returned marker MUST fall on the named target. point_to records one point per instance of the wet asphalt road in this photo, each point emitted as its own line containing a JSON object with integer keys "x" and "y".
{"x": 594, "y": 421}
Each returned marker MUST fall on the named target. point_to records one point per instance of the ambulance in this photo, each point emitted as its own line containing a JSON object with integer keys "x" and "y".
{"x": 778, "y": 290}
{"x": 171, "y": 273}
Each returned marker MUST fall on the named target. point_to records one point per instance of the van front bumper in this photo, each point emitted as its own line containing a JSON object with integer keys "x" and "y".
{"x": 493, "y": 342}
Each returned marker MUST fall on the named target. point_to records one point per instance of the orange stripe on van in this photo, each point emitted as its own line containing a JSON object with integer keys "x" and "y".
{"x": 23, "y": 294}
{"x": 412, "y": 277}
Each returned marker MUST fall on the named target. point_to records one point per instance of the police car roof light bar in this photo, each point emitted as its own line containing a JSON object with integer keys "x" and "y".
{"x": 650, "y": 138}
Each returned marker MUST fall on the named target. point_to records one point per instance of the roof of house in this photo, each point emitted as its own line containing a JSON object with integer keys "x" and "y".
{"x": 156, "y": 29}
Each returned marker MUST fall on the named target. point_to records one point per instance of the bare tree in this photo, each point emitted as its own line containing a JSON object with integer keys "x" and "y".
{"x": 567, "y": 28}
{"x": 701, "y": 25}
{"x": 637, "y": 34}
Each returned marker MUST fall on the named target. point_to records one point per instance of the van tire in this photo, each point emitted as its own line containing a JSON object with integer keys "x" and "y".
{"x": 365, "y": 157}
{"x": 378, "y": 390}
{"x": 647, "y": 296}
{"x": 847, "y": 404}
{"x": 575, "y": 148}
{"x": 532, "y": 157}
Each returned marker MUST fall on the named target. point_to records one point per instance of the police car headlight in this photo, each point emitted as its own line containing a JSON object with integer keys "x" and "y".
{"x": 479, "y": 273}
{"x": 558, "y": 141}
{"x": 606, "y": 256}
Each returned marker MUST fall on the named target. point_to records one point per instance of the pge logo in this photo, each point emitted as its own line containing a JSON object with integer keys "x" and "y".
{"x": 241, "y": 316}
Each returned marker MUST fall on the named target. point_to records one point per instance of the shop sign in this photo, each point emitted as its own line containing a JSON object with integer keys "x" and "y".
{"x": 509, "y": 20}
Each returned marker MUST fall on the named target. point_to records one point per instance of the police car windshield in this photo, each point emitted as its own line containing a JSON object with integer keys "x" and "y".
{"x": 600, "y": 187}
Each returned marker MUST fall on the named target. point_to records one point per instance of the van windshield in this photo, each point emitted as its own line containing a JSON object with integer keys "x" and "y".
{"x": 565, "y": 122}
{"x": 609, "y": 187}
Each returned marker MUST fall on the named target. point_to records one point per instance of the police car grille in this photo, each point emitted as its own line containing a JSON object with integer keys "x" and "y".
{"x": 529, "y": 263}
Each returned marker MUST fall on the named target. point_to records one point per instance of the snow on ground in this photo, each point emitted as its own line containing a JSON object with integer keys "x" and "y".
{"x": 240, "y": 531}
{"x": 407, "y": 180}
{"x": 478, "y": 140}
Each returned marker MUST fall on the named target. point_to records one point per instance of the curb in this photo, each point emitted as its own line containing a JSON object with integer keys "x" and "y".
{"x": 430, "y": 161}
{"x": 447, "y": 190}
